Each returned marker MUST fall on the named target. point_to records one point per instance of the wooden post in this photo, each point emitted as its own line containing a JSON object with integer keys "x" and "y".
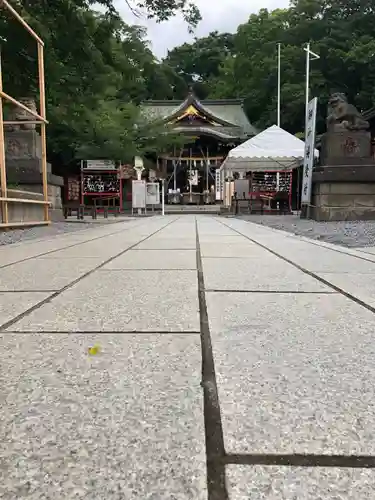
{"x": 3, "y": 175}
{"x": 21, "y": 21}
{"x": 42, "y": 95}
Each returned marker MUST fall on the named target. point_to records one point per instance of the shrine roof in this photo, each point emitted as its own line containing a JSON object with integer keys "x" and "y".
{"x": 229, "y": 113}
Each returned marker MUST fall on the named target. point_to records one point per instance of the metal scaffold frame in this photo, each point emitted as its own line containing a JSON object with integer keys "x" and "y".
{"x": 39, "y": 119}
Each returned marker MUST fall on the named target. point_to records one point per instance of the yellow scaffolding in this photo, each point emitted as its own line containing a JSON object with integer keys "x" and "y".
{"x": 39, "y": 119}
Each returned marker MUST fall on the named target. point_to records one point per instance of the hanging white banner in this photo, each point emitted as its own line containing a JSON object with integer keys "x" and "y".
{"x": 218, "y": 185}
{"x": 308, "y": 162}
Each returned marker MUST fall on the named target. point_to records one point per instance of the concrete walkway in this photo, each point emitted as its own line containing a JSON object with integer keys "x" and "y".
{"x": 186, "y": 357}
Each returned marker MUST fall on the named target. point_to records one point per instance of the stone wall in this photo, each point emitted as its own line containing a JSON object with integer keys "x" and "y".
{"x": 54, "y": 193}
{"x": 338, "y": 201}
{"x": 24, "y": 212}
{"x": 23, "y": 150}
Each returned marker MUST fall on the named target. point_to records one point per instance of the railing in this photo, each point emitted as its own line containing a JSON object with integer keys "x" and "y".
{"x": 94, "y": 209}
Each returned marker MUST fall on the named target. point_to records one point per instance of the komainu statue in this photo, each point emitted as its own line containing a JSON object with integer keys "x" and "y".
{"x": 343, "y": 116}
{"x": 22, "y": 115}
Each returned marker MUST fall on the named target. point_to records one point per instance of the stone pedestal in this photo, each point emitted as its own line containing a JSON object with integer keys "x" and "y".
{"x": 344, "y": 193}
{"x": 344, "y": 187}
{"x": 346, "y": 148}
{"x": 24, "y": 167}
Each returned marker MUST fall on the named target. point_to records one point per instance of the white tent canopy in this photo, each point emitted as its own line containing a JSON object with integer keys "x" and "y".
{"x": 274, "y": 149}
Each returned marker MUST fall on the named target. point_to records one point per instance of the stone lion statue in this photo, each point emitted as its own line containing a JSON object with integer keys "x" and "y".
{"x": 20, "y": 114}
{"x": 343, "y": 116}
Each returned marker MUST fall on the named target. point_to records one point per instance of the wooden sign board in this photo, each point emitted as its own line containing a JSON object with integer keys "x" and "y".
{"x": 139, "y": 194}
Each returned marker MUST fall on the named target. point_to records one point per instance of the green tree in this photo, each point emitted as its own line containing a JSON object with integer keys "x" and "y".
{"x": 162, "y": 10}
{"x": 340, "y": 32}
{"x": 97, "y": 70}
{"x": 196, "y": 63}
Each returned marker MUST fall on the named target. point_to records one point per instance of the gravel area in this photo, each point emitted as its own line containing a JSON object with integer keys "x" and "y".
{"x": 31, "y": 233}
{"x": 346, "y": 233}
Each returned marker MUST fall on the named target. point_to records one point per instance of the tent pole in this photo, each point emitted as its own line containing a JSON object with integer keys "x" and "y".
{"x": 174, "y": 171}
{"x": 207, "y": 170}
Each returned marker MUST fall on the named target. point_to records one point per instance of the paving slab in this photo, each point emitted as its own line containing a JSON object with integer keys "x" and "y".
{"x": 310, "y": 255}
{"x": 12, "y": 303}
{"x": 102, "y": 249}
{"x": 292, "y": 483}
{"x": 360, "y": 286}
{"x": 295, "y": 372}
{"x": 177, "y": 230}
{"x": 176, "y": 235}
{"x": 254, "y": 231}
{"x": 44, "y": 274}
{"x": 167, "y": 244}
{"x": 242, "y": 250}
{"x": 32, "y": 248}
{"x": 124, "y": 424}
{"x": 213, "y": 229}
{"x": 174, "y": 231}
{"x": 10, "y": 255}
{"x": 222, "y": 239}
{"x": 320, "y": 260}
{"x": 370, "y": 250}
{"x": 265, "y": 273}
{"x": 122, "y": 300}
{"x": 155, "y": 259}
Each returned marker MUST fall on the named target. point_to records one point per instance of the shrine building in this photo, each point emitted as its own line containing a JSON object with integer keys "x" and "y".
{"x": 210, "y": 128}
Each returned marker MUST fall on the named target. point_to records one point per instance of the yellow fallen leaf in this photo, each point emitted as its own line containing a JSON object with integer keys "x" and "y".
{"x": 94, "y": 350}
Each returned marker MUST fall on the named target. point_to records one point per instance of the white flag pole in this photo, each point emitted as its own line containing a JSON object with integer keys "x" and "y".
{"x": 310, "y": 56}
{"x": 278, "y": 82}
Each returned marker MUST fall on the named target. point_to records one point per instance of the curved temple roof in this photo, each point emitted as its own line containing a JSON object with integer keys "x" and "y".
{"x": 226, "y": 119}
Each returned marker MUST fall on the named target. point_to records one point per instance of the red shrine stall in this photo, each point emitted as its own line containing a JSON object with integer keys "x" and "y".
{"x": 101, "y": 185}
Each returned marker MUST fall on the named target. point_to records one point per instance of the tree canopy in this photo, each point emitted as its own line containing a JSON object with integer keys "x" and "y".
{"x": 98, "y": 68}
{"x": 245, "y": 64}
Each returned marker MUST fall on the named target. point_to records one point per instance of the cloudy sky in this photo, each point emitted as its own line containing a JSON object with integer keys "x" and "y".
{"x": 220, "y": 15}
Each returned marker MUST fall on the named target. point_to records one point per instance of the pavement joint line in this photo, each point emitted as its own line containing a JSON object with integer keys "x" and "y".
{"x": 99, "y": 332}
{"x": 280, "y": 292}
{"x": 41, "y": 303}
{"x": 302, "y": 460}
{"x": 117, "y": 269}
{"x": 215, "y": 450}
{"x": 204, "y": 257}
{"x": 163, "y": 249}
{"x": 29, "y": 291}
{"x": 60, "y": 249}
{"x": 316, "y": 243}
{"x": 309, "y": 273}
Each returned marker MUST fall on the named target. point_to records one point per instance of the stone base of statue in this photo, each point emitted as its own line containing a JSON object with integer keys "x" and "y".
{"x": 24, "y": 168}
{"x": 344, "y": 187}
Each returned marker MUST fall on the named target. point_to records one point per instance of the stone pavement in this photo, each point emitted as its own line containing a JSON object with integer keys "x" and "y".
{"x": 230, "y": 361}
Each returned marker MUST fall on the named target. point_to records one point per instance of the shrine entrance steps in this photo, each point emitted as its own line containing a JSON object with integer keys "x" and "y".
{"x": 193, "y": 209}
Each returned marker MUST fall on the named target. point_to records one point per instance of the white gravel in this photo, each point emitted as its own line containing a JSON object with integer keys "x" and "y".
{"x": 56, "y": 228}
{"x": 346, "y": 233}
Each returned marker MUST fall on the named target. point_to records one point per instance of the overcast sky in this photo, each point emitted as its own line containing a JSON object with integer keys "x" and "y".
{"x": 220, "y": 15}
